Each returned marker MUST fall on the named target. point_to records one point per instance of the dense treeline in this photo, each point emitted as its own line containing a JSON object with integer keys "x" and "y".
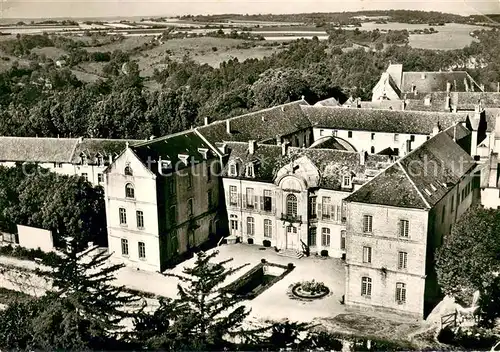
{"x": 405, "y": 16}
{"x": 45, "y": 100}
{"x": 33, "y": 196}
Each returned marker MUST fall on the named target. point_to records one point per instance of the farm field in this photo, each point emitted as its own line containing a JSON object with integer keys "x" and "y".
{"x": 450, "y": 36}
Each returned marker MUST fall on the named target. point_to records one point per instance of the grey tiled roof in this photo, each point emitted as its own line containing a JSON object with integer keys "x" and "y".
{"x": 33, "y": 149}
{"x": 436, "y": 81}
{"x": 382, "y": 104}
{"x": 262, "y": 125}
{"x": 421, "y": 179}
{"x": 93, "y": 147}
{"x": 389, "y": 121}
{"x": 328, "y": 102}
{"x": 332, "y": 164}
{"x": 169, "y": 148}
{"x": 58, "y": 150}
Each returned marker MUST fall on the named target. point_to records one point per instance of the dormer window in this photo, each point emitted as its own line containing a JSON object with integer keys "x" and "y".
{"x": 165, "y": 165}
{"x": 99, "y": 160}
{"x": 183, "y": 158}
{"x": 250, "y": 172}
{"x": 346, "y": 181}
{"x": 83, "y": 159}
{"x": 204, "y": 152}
{"x": 128, "y": 171}
{"x": 233, "y": 169}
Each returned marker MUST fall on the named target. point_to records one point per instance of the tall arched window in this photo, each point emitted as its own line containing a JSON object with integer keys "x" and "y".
{"x": 291, "y": 205}
{"x": 129, "y": 191}
{"x": 128, "y": 171}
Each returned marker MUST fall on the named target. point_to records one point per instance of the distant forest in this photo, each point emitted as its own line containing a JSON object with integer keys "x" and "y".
{"x": 345, "y": 18}
{"x": 46, "y": 100}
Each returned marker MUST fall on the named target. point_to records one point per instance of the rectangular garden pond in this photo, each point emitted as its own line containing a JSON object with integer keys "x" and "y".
{"x": 258, "y": 279}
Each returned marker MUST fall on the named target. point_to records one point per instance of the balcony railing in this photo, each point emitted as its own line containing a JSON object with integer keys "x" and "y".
{"x": 291, "y": 217}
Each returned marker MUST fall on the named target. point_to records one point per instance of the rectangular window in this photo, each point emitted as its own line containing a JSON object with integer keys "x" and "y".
{"x": 209, "y": 199}
{"x": 190, "y": 207}
{"x": 173, "y": 214}
{"x": 404, "y": 228}
{"x": 367, "y": 223}
{"x": 396, "y": 137}
{"x": 373, "y": 136}
{"x": 267, "y": 200}
{"x": 367, "y": 254}
{"x": 268, "y": 228}
{"x": 250, "y": 226}
{"x": 142, "y": 250}
{"x": 85, "y": 176}
{"x": 321, "y": 132}
{"x": 250, "y": 200}
{"x": 123, "y": 216}
{"x": 190, "y": 181}
{"x": 140, "y": 219}
{"x": 312, "y": 237}
{"x": 443, "y": 215}
{"x": 325, "y": 237}
{"x": 209, "y": 172}
{"x": 233, "y": 195}
{"x": 100, "y": 178}
{"x": 124, "y": 246}
{"x": 400, "y": 292}
{"x": 172, "y": 187}
{"x": 342, "y": 239}
{"x": 234, "y": 223}
{"x": 312, "y": 207}
{"x": 366, "y": 286}
{"x": 452, "y": 203}
{"x": 346, "y": 181}
{"x": 402, "y": 260}
{"x": 349, "y": 134}
{"x": 326, "y": 207}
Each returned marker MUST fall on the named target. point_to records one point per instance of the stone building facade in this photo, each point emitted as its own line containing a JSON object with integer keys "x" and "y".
{"x": 396, "y": 222}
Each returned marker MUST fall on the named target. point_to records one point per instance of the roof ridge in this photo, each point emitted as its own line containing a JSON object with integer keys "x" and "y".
{"x": 162, "y": 138}
{"x": 413, "y": 184}
{"x": 257, "y": 111}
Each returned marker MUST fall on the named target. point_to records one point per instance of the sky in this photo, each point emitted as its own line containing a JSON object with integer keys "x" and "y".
{"x": 129, "y": 8}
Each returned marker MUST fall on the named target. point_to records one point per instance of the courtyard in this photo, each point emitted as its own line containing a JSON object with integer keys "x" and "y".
{"x": 275, "y": 303}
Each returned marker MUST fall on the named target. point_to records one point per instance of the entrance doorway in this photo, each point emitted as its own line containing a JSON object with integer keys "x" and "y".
{"x": 291, "y": 237}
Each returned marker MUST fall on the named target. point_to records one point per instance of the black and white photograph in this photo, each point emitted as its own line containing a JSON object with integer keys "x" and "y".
{"x": 249, "y": 175}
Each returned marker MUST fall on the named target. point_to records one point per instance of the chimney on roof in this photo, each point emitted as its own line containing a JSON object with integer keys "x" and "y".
{"x": 422, "y": 75}
{"x": 284, "y": 148}
{"x": 302, "y": 97}
{"x": 263, "y": 118}
{"x": 435, "y": 129}
{"x": 151, "y": 138}
{"x": 252, "y": 145}
{"x": 427, "y": 100}
{"x": 110, "y": 157}
{"x": 448, "y": 86}
{"x": 228, "y": 126}
{"x": 283, "y": 108}
{"x": 206, "y": 120}
{"x": 80, "y": 139}
{"x": 493, "y": 182}
{"x": 447, "y": 103}
{"x": 278, "y": 139}
{"x": 362, "y": 157}
{"x": 466, "y": 85}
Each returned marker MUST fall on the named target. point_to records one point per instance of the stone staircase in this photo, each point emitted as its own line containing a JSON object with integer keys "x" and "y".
{"x": 291, "y": 253}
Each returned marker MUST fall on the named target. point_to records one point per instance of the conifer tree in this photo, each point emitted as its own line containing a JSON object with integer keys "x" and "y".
{"x": 202, "y": 317}
{"x": 82, "y": 285}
